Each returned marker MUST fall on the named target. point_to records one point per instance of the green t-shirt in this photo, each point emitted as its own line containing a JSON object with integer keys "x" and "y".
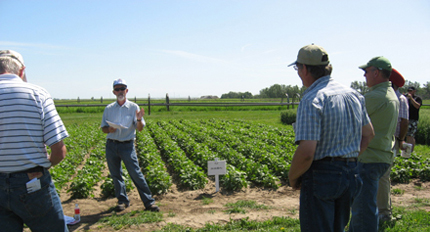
{"x": 382, "y": 106}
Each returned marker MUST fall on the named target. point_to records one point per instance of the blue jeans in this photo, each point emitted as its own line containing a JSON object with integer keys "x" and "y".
{"x": 115, "y": 152}
{"x": 327, "y": 192}
{"x": 364, "y": 209}
{"x": 40, "y": 210}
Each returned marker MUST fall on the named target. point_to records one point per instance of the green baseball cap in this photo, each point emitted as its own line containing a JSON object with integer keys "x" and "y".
{"x": 379, "y": 62}
{"x": 312, "y": 55}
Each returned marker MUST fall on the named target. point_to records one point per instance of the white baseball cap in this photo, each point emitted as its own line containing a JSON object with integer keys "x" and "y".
{"x": 119, "y": 82}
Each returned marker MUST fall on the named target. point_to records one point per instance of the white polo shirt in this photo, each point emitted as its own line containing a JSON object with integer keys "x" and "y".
{"x": 28, "y": 122}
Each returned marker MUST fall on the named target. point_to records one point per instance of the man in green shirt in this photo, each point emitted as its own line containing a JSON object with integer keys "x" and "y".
{"x": 382, "y": 105}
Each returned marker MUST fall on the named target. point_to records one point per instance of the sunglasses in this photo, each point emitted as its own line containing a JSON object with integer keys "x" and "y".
{"x": 120, "y": 89}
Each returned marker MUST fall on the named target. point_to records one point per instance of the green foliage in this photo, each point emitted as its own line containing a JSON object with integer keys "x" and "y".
{"x": 397, "y": 191}
{"x": 423, "y": 133}
{"x": 360, "y": 86}
{"x": 79, "y": 143}
{"x": 89, "y": 175}
{"x": 288, "y": 117}
{"x": 190, "y": 175}
{"x": 136, "y": 218}
{"x": 407, "y": 220}
{"x": 159, "y": 180}
{"x": 404, "y": 170}
{"x": 237, "y": 95}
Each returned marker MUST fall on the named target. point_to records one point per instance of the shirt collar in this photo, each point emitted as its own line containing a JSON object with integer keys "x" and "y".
{"x": 384, "y": 84}
{"x": 126, "y": 104}
{"x": 10, "y": 77}
{"x": 317, "y": 82}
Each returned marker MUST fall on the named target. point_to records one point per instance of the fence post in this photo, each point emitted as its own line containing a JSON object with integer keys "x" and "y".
{"x": 101, "y": 99}
{"x": 167, "y": 102}
{"x": 149, "y": 104}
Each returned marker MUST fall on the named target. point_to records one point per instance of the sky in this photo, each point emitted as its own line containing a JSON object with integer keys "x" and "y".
{"x": 193, "y": 48}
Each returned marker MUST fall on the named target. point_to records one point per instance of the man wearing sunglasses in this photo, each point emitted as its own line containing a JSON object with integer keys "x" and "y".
{"x": 28, "y": 122}
{"x": 120, "y": 121}
{"x": 382, "y": 106}
{"x": 415, "y": 103}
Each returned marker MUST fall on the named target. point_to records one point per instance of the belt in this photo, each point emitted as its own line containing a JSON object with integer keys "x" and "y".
{"x": 117, "y": 141}
{"x": 354, "y": 159}
{"x": 35, "y": 169}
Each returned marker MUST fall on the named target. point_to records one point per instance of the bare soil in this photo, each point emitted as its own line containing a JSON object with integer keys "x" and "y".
{"x": 187, "y": 208}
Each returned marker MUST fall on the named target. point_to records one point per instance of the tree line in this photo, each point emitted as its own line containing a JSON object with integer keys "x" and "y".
{"x": 284, "y": 91}
{"x": 274, "y": 91}
{"x": 423, "y": 92}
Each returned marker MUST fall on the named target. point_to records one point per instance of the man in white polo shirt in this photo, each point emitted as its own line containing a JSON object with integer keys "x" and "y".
{"x": 120, "y": 121}
{"x": 28, "y": 122}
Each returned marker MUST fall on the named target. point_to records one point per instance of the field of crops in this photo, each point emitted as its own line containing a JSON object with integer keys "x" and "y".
{"x": 177, "y": 151}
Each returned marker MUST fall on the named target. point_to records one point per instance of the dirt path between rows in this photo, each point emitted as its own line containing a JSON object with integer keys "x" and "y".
{"x": 187, "y": 208}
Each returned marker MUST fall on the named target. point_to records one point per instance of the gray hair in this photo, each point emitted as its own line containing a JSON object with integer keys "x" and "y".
{"x": 9, "y": 65}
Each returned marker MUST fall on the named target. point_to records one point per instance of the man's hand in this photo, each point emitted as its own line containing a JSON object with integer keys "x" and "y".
{"x": 296, "y": 184}
{"x": 108, "y": 129}
{"x": 139, "y": 114}
{"x": 401, "y": 145}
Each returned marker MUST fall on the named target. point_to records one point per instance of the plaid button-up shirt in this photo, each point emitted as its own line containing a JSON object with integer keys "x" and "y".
{"x": 333, "y": 115}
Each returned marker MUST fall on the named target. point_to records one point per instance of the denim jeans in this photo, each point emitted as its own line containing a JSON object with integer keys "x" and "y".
{"x": 327, "y": 192}
{"x": 40, "y": 210}
{"x": 115, "y": 152}
{"x": 364, "y": 210}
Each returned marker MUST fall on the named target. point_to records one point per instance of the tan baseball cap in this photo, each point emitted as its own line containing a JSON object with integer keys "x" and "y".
{"x": 312, "y": 55}
{"x": 13, "y": 55}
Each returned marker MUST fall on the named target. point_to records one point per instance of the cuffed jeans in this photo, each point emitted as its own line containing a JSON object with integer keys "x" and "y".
{"x": 40, "y": 210}
{"x": 327, "y": 192}
{"x": 115, "y": 152}
{"x": 364, "y": 210}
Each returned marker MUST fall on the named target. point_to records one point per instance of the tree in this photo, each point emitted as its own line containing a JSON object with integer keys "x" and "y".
{"x": 232, "y": 94}
{"x": 426, "y": 90}
{"x": 360, "y": 86}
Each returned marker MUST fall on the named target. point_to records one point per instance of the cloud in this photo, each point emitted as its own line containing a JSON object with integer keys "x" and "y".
{"x": 192, "y": 56}
{"x": 243, "y": 48}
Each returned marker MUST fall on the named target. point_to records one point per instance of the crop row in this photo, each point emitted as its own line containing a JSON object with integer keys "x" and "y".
{"x": 177, "y": 151}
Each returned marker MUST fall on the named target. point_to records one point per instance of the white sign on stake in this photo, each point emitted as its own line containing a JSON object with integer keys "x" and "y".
{"x": 217, "y": 167}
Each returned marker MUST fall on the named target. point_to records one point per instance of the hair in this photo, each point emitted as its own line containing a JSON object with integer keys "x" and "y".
{"x": 8, "y": 65}
{"x": 317, "y": 71}
{"x": 386, "y": 73}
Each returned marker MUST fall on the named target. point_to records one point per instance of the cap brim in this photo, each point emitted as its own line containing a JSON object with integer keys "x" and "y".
{"x": 295, "y": 62}
{"x": 363, "y": 66}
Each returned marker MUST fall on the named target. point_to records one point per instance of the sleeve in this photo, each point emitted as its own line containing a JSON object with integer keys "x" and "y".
{"x": 104, "y": 118}
{"x": 54, "y": 130}
{"x": 419, "y": 100}
{"x": 371, "y": 104}
{"x": 404, "y": 107}
{"x": 365, "y": 120}
{"x": 308, "y": 121}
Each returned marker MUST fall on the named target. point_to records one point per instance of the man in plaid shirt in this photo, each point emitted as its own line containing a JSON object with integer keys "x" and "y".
{"x": 332, "y": 129}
